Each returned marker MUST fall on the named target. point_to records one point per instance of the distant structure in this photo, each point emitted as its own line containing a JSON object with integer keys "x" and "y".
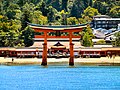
{"x": 105, "y": 22}
{"x": 119, "y": 26}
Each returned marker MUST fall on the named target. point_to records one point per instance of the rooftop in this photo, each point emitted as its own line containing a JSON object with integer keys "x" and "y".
{"x": 107, "y": 19}
{"x": 57, "y": 27}
{"x": 101, "y": 16}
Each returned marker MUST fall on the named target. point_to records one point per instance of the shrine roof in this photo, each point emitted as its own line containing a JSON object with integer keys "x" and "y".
{"x": 57, "y": 27}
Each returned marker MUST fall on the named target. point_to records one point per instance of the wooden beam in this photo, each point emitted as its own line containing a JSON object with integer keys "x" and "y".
{"x": 51, "y": 30}
{"x": 42, "y": 36}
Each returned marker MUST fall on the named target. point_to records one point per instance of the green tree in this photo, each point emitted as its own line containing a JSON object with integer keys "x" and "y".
{"x": 87, "y": 3}
{"x": 72, "y": 21}
{"x": 115, "y": 12}
{"x": 87, "y": 41}
{"x": 86, "y": 37}
{"x": 55, "y": 4}
{"x": 51, "y": 14}
{"x": 10, "y": 33}
{"x": 101, "y": 42}
{"x": 64, "y": 5}
{"x": 88, "y": 14}
{"x": 2, "y": 11}
{"x": 91, "y": 3}
{"x": 14, "y": 15}
{"x": 13, "y": 11}
{"x": 64, "y": 17}
{"x": 117, "y": 39}
{"x": 27, "y": 9}
{"x": 70, "y": 5}
{"x": 41, "y": 6}
{"x": 27, "y": 36}
{"x": 79, "y": 6}
{"x": 77, "y": 9}
{"x": 83, "y": 20}
{"x": 36, "y": 1}
{"x": 38, "y": 18}
{"x": 23, "y": 2}
{"x": 102, "y": 6}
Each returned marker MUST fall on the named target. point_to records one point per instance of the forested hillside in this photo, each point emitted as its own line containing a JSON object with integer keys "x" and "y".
{"x": 14, "y": 15}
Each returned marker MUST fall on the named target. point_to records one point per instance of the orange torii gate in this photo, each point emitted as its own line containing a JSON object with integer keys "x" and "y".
{"x": 57, "y": 29}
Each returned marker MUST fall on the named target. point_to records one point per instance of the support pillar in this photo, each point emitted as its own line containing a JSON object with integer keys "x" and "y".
{"x": 44, "y": 56}
{"x": 71, "y": 60}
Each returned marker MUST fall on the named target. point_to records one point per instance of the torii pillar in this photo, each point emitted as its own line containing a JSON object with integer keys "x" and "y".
{"x": 44, "y": 55}
{"x": 71, "y": 60}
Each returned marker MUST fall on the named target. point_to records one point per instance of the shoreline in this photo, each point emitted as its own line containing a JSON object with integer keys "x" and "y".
{"x": 103, "y": 61}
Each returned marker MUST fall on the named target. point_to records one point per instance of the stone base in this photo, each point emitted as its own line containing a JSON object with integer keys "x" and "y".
{"x": 71, "y": 61}
{"x": 44, "y": 62}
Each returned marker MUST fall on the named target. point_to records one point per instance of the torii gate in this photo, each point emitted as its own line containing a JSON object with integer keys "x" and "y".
{"x": 70, "y": 29}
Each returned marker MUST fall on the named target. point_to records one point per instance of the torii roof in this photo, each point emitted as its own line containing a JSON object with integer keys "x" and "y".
{"x": 57, "y": 27}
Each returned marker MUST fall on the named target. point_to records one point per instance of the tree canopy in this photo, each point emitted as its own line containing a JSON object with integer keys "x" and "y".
{"x": 14, "y": 15}
{"x": 116, "y": 41}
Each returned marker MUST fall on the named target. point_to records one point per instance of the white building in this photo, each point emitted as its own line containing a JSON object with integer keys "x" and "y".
{"x": 104, "y": 21}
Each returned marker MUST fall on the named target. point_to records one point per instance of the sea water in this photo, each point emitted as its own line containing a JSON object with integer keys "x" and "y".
{"x": 63, "y": 77}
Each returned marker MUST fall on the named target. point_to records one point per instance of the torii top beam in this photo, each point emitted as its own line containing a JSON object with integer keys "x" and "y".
{"x": 62, "y": 28}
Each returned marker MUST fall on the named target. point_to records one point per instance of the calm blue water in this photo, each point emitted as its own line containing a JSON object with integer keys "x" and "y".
{"x": 59, "y": 78}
